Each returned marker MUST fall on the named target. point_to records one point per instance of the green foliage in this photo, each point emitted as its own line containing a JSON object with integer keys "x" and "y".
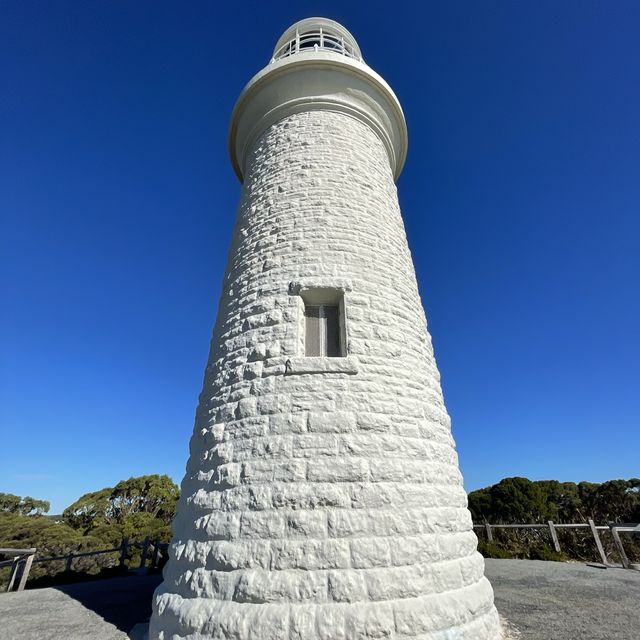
{"x": 612, "y": 501}
{"x": 545, "y": 552}
{"x": 135, "y": 508}
{"x": 154, "y": 495}
{"x": 519, "y": 500}
{"x": 563, "y": 500}
{"x": 492, "y": 550}
{"x": 19, "y": 531}
{"x": 49, "y": 536}
{"x": 522, "y": 501}
{"x": 90, "y": 510}
{"x": 26, "y": 506}
{"x": 145, "y": 506}
{"x": 515, "y": 500}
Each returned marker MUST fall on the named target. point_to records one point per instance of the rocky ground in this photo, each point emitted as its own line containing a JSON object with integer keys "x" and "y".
{"x": 540, "y": 601}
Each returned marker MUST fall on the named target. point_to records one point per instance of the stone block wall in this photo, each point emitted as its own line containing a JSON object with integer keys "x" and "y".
{"x": 322, "y": 498}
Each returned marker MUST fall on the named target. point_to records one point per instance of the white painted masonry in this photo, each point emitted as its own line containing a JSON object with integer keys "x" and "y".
{"x": 322, "y": 498}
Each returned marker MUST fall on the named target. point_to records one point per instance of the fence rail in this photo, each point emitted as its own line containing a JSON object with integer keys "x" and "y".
{"x": 22, "y": 559}
{"x": 20, "y": 563}
{"x": 614, "y": 528}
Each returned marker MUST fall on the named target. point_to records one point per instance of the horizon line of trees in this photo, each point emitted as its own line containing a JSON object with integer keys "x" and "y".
{"x": 134, "y": 508}
{"x": 522, "y": 501}
{"x": 145, "y": 506}
{"x": 519, "y": 500}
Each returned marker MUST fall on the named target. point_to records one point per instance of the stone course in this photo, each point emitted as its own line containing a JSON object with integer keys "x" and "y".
{"x": 322, "y": 498}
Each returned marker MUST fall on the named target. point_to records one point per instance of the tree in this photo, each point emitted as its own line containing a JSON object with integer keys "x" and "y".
{"x": 612, "y": 501}
{"x": 153, "y": 495}
{"x": 27, "y": 506}
{"x": 9, "y": 503}
{"x": 51, "y": 538}
{"x": 90, "y": 510}
{"x": 521, "y": 501}
{"x": 563, "y": 500}
{"x": 134, "y": 509}
{"x": 480, "y": 505}
{"x": 518, "y": 500}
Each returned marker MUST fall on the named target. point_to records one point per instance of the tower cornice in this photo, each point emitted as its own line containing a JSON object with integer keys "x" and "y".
{"x": 338, "y": 83}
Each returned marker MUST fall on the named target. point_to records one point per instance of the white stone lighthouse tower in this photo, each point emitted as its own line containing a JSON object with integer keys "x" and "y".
{"x": 322, "y": 498}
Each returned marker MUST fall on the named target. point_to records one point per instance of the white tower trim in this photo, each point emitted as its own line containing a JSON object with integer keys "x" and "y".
{"x": 324, "y": 79}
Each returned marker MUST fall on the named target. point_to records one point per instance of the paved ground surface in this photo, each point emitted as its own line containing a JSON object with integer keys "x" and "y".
{"x": 567, "y": 601}
{"x": 542, "y": 600}
{"x": 100, "y": 610}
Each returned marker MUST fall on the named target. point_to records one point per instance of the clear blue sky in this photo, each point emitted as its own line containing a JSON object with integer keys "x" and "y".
{"x": 521, "y": 197}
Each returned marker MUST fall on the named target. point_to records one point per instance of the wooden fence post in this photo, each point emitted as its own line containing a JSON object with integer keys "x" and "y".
{"x": 487, "y": 527}
{"x": 25, "y": 572}
{"x": 21, "y": 561}
{"x": 145, "y": 551}
{"x": 68, "y": 561}
{"x": 554, "y": 536}
{"x": 618, "y": 543}
{"x": 14, "y": 571}
{"x": 596, "y": 537}
{"x": 124, "y": 547}
{"x": 156, "y": 551}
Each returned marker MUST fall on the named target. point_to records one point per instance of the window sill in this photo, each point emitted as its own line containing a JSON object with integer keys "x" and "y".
{"x": 302, "y": 365}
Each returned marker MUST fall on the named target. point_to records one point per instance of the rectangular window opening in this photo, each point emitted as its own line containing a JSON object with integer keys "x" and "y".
{"x": 323, "y": 331}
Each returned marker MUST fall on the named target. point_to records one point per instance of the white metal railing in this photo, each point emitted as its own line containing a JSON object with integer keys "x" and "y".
{"x": 316, "y": 41}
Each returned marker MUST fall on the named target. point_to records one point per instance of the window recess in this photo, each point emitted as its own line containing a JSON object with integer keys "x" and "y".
{"x": 322, "y": 330}
{"x": 324, "y": 333}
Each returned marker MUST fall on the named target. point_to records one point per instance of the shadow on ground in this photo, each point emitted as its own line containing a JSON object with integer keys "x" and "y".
{"x": 122, "y": 602}
{"x": 100, "y": 610}
{"x": 542, "y": 600}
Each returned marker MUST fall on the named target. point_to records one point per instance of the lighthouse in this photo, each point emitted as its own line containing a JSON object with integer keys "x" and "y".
{"x": 322, "y": 498}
